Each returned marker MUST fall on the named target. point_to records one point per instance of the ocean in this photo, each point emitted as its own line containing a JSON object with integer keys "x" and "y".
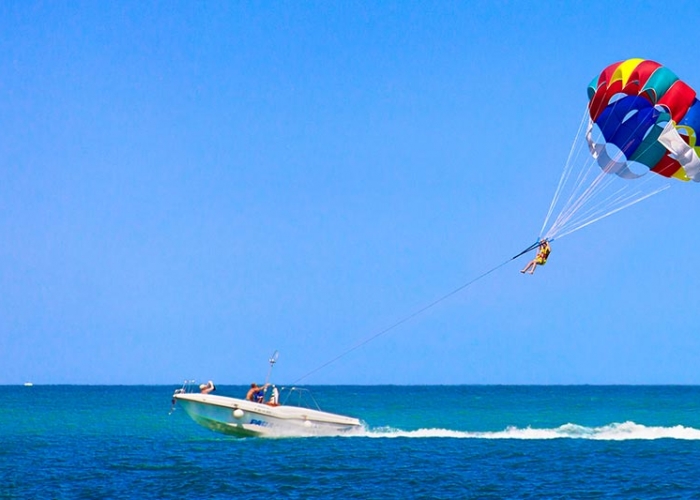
{"x": 419, "y": 442}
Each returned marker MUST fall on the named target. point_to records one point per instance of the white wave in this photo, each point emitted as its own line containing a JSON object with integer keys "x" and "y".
{"x": 611, "y": 432}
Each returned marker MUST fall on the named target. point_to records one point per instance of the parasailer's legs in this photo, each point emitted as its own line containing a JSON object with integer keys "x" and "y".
{"x": 530, "y": 268}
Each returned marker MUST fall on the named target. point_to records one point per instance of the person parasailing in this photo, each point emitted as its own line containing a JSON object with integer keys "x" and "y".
{"x": 540, "y": 259}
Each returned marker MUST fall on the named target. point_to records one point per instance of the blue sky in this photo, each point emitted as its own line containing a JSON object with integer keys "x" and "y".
{"x": 187, "y": 187}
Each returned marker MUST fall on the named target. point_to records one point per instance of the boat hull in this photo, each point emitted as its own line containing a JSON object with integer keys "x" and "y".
{"x": 241, "y": 418}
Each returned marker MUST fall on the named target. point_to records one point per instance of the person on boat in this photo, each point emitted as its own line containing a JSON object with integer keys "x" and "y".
{"x": 274, "y": 398}
{"x": 207, "y": 388}
{"x": 256, "y": 393}
{"x": 540, "y": 259}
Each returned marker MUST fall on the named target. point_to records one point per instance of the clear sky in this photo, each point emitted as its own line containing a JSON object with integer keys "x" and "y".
{"x": 187, "y": 187}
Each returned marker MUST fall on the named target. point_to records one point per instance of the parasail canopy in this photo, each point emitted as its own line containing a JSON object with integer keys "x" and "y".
{"x": 641, "y": 117}
{"x": 647, "y": 118}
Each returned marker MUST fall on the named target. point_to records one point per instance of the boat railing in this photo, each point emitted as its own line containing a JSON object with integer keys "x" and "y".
{"x": 187, "y": 386}
{"x": 299, "y": 396}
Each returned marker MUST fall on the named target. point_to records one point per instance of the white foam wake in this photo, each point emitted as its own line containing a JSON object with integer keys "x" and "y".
{"x": 611, "y": 432}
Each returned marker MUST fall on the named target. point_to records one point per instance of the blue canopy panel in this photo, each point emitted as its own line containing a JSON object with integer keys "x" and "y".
{"x": 626, "y": 122}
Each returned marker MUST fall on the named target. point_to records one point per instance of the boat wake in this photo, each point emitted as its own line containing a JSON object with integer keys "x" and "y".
{"x": 611, "y": 432}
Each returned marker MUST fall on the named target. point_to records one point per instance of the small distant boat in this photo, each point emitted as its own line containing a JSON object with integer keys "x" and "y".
{"x": 243, "y": 418}
{"x": 28, "y": 384}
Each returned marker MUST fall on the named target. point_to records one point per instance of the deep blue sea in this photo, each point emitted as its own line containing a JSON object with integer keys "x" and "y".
{"x": 481, "y": 442}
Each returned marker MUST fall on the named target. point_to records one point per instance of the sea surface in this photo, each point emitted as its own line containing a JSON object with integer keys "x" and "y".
{"x": 481, "y": 442}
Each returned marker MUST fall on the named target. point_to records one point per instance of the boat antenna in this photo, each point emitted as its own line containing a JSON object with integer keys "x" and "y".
{"x": 273, "y": 360}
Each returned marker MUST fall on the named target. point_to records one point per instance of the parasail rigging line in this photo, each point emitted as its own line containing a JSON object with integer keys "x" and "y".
{"x": 566, "y": 173}
{"x": 595, "y": 192}
{"x": 418, "y": 312}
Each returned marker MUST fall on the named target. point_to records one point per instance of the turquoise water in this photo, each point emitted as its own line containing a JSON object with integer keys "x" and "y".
{"x": 419, "y": 442}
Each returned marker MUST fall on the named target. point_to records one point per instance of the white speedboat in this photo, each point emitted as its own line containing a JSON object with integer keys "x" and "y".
{"x": 242, "y": 418}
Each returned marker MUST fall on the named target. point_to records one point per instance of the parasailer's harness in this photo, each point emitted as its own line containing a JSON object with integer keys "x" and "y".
{"x": 532, "y": 247}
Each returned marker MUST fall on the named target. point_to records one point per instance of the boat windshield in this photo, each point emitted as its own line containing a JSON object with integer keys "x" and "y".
{"x": 298, "y": 396}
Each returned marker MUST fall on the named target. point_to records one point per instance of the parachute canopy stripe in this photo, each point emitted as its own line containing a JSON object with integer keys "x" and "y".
{"x": 626, "y": 123}
{"x": 657, "y": 85}
{"x": 692, "y": 116}
{"x": 650, "y": 151}
{"x": 602, "y": 80}
{"x": 624, "y": 70}
{"x": 639, "y": 77}
{"x": 678, "y": 99}
{"x": 668, "y": 167}
{"x": 602, "y": 98}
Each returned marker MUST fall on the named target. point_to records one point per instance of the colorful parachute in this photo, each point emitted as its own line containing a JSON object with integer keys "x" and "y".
{"x": 643, "y": 117}
{"x": 640, "y": 117}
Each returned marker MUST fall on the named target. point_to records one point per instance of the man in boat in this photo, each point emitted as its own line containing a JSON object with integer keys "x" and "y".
{"x": 540, "y": 259}
{"x": 207, "y": 388}
{"x": 256, "y": 393}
